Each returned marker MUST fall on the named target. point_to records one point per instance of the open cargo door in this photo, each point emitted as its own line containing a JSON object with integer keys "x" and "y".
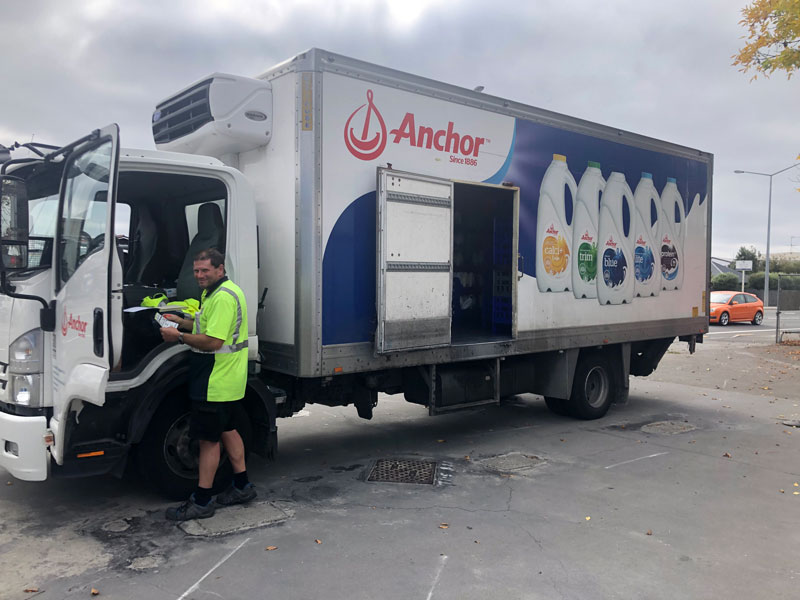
{"x": 414, "y": 261}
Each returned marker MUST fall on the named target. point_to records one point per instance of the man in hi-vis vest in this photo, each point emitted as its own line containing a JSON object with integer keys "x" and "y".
{"x": 217, "y": 381}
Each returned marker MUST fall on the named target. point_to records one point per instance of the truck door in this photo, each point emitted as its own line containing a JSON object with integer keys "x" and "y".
{"x": 87, "y": 271}
{"x": 414, "y": 261}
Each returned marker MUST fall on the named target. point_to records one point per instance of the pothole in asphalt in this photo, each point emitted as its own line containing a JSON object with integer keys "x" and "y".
{"x": 512, "y": 462}
{"x": 668, "y": 427}
{"x": 144, "y": 563}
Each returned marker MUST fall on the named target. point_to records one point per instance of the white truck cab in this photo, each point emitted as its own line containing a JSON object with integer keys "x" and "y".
{"x": 80, "y": 349}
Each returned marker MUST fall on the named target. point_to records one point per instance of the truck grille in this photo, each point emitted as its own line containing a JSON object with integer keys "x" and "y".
{"x": 181, "y": 115}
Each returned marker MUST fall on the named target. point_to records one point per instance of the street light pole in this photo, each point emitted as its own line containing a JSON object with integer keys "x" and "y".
{"x": 769, "y": 223}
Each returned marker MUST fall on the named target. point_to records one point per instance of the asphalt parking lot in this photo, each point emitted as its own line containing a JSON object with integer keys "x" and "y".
{"x": 691, "y": 489}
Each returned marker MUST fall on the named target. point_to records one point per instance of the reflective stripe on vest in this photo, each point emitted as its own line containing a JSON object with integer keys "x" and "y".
{"x": 228, "y": 348}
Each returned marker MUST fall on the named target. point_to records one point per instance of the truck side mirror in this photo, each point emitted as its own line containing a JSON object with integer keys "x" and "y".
{"x": 13, "y": 223}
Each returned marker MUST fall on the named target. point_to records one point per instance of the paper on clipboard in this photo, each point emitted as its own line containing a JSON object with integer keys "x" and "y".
{"x": 135, "y": 309}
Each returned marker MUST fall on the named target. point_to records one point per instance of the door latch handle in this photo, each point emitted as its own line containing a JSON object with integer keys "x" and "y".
{"x": 97, "y": 332}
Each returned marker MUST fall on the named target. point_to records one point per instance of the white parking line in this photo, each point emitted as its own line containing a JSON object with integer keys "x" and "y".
{"x": 438, "y": 574}
{"x": 211, "y": 570}
{"x": 636, "y": 459}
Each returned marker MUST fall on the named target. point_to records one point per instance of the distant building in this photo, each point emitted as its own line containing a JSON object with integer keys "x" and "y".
{"x": 785, "y": 256}
{"x": 720, "y": 265}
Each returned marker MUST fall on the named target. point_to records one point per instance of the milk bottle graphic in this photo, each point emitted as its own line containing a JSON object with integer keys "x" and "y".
{"x": 694, "y": 242}
{"x": 615, "y": 242}
{"x": 584, "y": 232}
{"x": 553, "y": 232}
{"x": 646, "y": 268}
{"x": 671, "y": 233}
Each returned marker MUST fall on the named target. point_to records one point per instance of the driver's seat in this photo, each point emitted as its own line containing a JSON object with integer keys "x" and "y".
{"x": 210, "y": 234}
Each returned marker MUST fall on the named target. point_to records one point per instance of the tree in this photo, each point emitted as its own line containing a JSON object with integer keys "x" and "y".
{"x": 749, "y": 253}
{"x": 773, "y": 39}
{"x": 725, "y": 281}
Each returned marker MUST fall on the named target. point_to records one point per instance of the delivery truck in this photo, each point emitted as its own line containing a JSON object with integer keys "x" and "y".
{"x": 392, "y": 235}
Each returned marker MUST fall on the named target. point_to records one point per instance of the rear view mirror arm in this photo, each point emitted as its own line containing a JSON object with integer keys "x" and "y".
{"x": 47, "y": 314}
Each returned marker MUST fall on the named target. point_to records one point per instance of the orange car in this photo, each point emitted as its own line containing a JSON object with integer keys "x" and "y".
{"x": 735, "y": 306}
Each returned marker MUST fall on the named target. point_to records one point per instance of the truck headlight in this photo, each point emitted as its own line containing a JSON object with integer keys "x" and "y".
{"x": 26, "y": 390}
{"x": 26, "y": 352}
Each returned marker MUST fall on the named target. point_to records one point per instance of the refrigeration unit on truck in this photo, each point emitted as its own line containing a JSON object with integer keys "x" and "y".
{"x": 391, "y": 234}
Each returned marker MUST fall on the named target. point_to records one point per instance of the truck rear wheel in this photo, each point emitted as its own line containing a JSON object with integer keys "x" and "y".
{"x": 593, "y": 388}
{"x": 169, "y": 457}
{"x": 558, "y": 406}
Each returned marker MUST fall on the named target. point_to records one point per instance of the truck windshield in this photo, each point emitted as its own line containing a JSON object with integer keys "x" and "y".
{"x": 42, "y": 181}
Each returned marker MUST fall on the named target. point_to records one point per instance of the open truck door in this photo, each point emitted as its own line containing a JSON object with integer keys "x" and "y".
{"x": 87, "y": 272}
{"x": 415, "y": 271}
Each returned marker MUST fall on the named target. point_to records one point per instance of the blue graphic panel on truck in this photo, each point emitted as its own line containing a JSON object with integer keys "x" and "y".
{"x": 348, "y": 267}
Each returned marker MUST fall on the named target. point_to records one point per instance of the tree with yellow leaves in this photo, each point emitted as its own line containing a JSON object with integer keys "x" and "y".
{"x": 773, "y": 40}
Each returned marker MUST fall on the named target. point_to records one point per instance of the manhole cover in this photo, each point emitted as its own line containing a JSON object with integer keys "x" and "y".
{"x": 403, "y": 471}
{"x": 668, "y": 427}
{"x": 513, "y": 461}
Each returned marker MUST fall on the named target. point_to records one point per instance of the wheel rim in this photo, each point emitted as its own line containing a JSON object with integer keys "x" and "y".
{"x": 180, "y": 451}
{"x": 596, "y": 387}
{"x": 759, "y": 318}
{"x": 723, "y": 318}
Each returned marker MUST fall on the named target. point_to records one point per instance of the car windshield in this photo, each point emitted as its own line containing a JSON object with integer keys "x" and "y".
{"x": 720, "y": 297}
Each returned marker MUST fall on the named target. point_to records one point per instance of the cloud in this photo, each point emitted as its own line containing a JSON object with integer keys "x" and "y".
{"x": 659, "y": 69}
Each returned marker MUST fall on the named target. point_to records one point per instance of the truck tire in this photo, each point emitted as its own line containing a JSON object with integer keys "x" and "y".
{"x": 168, "y": 457}
{"x": 558, "y": 406}
{"x": 593, "y": 388}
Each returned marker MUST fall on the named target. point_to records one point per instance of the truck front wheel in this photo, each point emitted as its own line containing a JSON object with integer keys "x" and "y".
{"x": 593, "y": 388}
{"x": 169, "y": 457}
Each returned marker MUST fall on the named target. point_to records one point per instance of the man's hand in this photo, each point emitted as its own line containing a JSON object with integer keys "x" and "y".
{"x": 170, "y": 334}
{"x": 185, "y": 324}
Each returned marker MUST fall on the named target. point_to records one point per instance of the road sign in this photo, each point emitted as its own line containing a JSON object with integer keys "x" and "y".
{"x": 744, "y": 265}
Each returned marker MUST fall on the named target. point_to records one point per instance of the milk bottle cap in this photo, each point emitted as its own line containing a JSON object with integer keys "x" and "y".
{"x": 646, "y": 175}
{"x": 594, "y": 164}
{"x": 671, "y": 180}
{"x": 560, "y": 157}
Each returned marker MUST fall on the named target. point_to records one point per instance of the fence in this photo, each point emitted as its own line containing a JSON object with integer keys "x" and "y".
{"x": 786, "y": 300}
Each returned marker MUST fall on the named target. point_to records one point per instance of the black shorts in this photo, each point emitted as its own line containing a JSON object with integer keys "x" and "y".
{"x": 209, "y": 419}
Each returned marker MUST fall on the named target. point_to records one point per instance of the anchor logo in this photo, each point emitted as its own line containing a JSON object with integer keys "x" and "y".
{"x": 366, "y": 147}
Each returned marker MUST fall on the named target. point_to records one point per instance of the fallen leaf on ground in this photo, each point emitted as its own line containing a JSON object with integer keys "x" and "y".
{"x": 649, "y": 532}
{"x": 441, "y": 441}
{"x": 318, "y": 541}
{"x": 271, "y": 548}
{"x": 588, "y": 518}
{"x": 727, "y": 455}
{"x": 30, "y": 590}
{"x": 782, "y": 491}
{"x": 444, "y": 526}
{"x": 95, "y": 592}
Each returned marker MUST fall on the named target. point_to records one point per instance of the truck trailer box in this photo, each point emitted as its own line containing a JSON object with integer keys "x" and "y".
{"x": 404, "y": 221}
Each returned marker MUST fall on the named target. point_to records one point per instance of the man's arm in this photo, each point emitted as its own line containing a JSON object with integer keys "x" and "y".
{"x": 201, "y": 341}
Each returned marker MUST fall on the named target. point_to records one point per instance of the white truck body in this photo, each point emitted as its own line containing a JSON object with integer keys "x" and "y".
{"x": 383, "y": 229}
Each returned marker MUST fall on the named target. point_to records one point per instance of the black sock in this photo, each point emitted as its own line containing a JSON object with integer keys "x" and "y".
{"x": 202, "y": 496}
{"x": 240, "y": 479}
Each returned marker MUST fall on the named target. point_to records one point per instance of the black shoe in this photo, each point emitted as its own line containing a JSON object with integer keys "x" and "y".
{"x": 234, "y": 495}
{"x": 190, "y": 510}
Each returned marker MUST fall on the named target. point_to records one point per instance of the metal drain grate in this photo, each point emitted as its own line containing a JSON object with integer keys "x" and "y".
{"x": 403, "y": 471}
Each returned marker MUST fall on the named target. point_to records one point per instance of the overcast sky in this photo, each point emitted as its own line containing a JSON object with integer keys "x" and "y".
{"x": 659, "y": 69}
